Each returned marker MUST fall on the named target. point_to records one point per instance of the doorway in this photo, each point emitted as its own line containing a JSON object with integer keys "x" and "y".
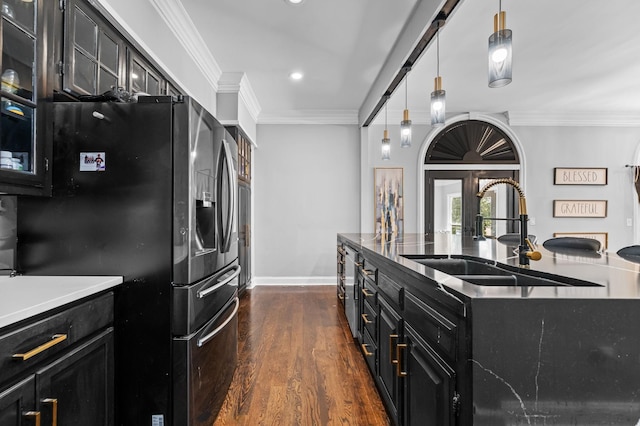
{"x": 454, "y": 203}
{"x": 460, "y": 160}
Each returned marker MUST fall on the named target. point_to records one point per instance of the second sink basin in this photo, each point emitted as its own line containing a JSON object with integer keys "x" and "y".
{"x": 482, "y": 273}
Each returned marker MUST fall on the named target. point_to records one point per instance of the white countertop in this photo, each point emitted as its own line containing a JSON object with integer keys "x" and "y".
{"x": 24, "y": 296}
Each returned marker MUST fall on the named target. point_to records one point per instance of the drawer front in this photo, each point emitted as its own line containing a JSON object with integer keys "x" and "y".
{"x": 393, "y": 292}
{"x": 368, "y": 270}
{"x": 370, "y": 351}
{"x": 369, "y": 318}
{"x": 40, "y": 341}
{"x": 431, "y": 325}
{"x": 369, "y": 292}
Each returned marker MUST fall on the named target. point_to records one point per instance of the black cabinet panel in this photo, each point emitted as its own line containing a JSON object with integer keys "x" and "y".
{"x": 429, "y": 384}
{"x": 81, "y": 383}
{"x": 390, "y": 333}
{"x": 17, "y": 400}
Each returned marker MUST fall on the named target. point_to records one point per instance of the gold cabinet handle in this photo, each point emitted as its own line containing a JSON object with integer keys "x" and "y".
{"x": 365, "y": 351}
{"x": 368, "y": 272}
{"x": 341, "y": 296}
{"x": 54, "y": 410}
{"x": 366, "y": 293}
{"x": 391, "y": 351}
{"x": 359, "y": 264}
{"x": 399, "y": 371}
{"x": 365, "y": 319}
{"x": 33, "y": 414}
{"x": 57, "y": 338}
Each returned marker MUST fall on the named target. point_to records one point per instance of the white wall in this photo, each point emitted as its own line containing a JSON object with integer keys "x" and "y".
{"x": 610, "y": 147}
{"x": 306, "y": 189}
{"x": 544, "y": 148}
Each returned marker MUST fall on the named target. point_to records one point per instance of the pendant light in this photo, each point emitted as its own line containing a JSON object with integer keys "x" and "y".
{"x": 405, "y": 124}
{"x": 500, "y": 51}
{"x": 438, "y": 96}
{"x": 386, "y": 142}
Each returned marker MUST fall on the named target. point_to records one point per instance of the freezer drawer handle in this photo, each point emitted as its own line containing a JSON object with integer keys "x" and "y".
{"x": 205, "y": 339}
{"x": 57, "y": 338}
{"x": 204, "y": 293}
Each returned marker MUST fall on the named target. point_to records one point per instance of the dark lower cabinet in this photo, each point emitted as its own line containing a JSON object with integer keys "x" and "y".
{"x": 78, "y": 387}
{"x": 429, "y": 384}
{"x": 390, "y": 331}
{"x": 17, "y": 404}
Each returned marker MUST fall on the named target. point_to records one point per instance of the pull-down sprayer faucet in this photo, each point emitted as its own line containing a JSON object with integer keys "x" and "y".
{"x": 525, "y": 250}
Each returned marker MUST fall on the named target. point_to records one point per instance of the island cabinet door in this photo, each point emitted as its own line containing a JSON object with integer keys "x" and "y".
{"x": 430, "y": 398}
{"x": 390, "y": 333}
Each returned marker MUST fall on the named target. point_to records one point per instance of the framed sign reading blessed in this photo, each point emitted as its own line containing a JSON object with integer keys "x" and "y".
{"x": 580, "y": 176}
{"x": 579, "y": 208}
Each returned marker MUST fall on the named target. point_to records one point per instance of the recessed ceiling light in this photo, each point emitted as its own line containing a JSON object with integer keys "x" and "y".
{"x": 293, "y": 1}
{"x": 296, "y": 75}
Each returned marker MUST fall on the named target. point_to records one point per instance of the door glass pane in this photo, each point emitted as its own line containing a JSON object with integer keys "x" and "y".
{"x": 494, "y": 204}
{"x": 21, "y": 11}
{"x": 153, "y": 86}
{"x": 138, "y": 78}
{"x": 84, "y": 72}
{"x": 85, "y": 33}
{"x": 17, "y": 139}
{"x": 18, "y": 52}
{"x": 107, "y": 81}
{"x": 108, "y": 53}
{"x": 447, "y": 206}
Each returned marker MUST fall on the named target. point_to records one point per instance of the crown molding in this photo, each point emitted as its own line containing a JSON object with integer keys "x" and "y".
{"x": 578, "y": 119}
{"x": 238, "y": 82}
{"x": 179, "y": 22}
{"x": 310, "y": 117}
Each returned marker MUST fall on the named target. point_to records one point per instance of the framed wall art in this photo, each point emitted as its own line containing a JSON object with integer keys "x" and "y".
{"x": 603, "y": 237}
{"x": 579, "y": 208}
{"x": 580, "y": 176}
{"x": 388, "y": 201}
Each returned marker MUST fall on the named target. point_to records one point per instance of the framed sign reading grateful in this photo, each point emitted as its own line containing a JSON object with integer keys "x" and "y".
{"x": 580, "y": 176}
{"x": 579, "y": 208}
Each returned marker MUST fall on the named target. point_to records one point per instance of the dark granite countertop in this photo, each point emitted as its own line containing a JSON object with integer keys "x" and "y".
{"x": 614, "y": 276}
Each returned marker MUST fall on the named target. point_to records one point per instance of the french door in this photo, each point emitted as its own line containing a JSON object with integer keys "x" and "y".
{"x": 452, "y": 203}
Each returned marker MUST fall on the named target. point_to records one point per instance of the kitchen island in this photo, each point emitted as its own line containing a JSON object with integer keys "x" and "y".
{"x": 455, "y": 333}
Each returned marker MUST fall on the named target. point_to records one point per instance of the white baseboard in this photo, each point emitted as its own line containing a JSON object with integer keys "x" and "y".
{"x": 293, "y": 281}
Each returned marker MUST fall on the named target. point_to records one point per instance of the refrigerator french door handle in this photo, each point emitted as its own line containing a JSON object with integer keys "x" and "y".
{"x": 232, "y": 196}
{"x": 203, "y": 340}
{"x": 201, "y": 294}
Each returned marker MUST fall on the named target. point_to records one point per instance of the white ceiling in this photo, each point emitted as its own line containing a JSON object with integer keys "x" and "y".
{"x": 573, "y": 59}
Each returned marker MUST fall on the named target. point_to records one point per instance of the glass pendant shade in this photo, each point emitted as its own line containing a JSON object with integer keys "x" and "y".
{"x": 405, "y": 130}
{"x": 386, "y": 146}
{"x": 438, "y": 103}
{"x": 500, "y": 53}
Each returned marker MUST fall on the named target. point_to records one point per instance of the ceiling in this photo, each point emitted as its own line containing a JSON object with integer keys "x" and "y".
{"x": 575, "y": 61}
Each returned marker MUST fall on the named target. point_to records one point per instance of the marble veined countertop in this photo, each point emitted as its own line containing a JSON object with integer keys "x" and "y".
{"x": 24, "y": 296}
{"x": 614, "y": 277}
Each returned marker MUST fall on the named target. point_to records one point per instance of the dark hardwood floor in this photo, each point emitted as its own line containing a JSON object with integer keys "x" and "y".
{"x": 298, "y": 364}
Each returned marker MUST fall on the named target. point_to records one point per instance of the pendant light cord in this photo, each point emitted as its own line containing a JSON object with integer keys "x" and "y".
{"x": 406, "y": 90}
{"x": 438, "y": 53}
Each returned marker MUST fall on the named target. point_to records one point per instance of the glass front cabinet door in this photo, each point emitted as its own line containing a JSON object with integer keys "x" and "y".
{"x": 24, "y": 128}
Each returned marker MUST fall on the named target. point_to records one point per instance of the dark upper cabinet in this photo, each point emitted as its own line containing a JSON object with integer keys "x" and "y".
{"x": 94, "y": 53}
{"x": 142, "y": 77}
{"x": 25, "y": 128}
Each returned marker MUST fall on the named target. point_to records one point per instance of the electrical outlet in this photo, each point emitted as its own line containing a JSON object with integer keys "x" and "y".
{"x": 532, "y": 221}
{"x": 629, "y": 221}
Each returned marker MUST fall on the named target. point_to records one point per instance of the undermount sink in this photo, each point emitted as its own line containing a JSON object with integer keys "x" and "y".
{"x": 480, "y": 272}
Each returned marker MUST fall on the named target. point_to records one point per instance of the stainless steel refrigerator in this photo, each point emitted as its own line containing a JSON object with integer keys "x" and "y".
{"x": 148, "y": 191}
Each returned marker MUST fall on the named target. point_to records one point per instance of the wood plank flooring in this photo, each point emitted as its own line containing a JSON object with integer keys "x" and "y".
{"x": 298, "y": 364}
